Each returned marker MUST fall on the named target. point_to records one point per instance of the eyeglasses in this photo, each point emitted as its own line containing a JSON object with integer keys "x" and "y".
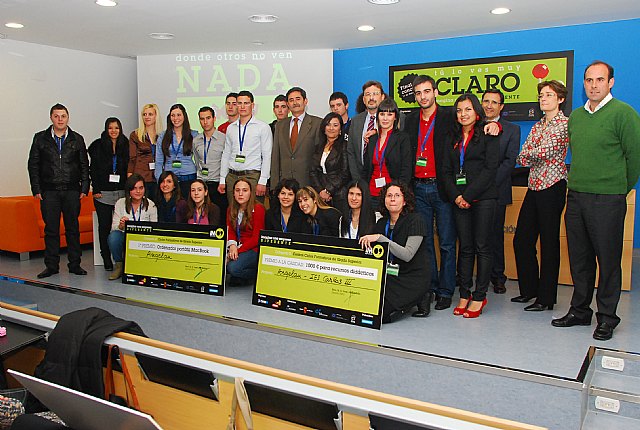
{"x": 373, "y": 94}
{"x": 547, "y": 95}
{"x": 491, "y": 103}
{"x": 394, "y": 196}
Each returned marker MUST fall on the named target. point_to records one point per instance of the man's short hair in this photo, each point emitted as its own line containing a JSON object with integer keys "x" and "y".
{"x": 234, "y": 95}
{"x": 58, "y": 106}
{"x": 279, "y": 98}
{"x": 494, "y": 91}
{"x": 339, "y": 95}
{"x": 421, "y": 79}
{"x": 372, "y": 84}
{"x": 298, "y": 89}
{"x": 205, "y": 109}
{"x": 597, "y": 62}
{"x": 245, "y": 93}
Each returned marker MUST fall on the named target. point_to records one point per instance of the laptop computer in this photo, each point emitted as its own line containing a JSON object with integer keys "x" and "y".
{"x": 82, "y": 411}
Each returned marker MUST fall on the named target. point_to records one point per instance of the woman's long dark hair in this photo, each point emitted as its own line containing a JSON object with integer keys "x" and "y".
{"x": 480, "y": 122}
{"x": 339, "y": 144}
{"x": 128, "y": 186}
{"x": 175, "y": 194}
{"x": 167, "y": 139}
{"x": 367, "y": 219}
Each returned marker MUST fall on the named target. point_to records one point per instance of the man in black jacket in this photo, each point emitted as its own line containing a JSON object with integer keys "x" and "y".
{"x": 59, "y": 175}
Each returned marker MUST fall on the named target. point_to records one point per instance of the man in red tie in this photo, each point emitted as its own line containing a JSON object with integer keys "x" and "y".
{"x": 294, "y": 140}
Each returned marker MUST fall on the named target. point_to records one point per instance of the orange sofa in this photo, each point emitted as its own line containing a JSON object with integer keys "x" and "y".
{"x": 22, "y": 227}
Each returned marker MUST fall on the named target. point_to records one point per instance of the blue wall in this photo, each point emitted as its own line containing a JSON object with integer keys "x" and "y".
{"x": 613, "y": 42}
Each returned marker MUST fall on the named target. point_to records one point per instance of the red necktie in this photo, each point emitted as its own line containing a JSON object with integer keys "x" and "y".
{"x": 294, "y": 134}
{"x": 369, "y": 128}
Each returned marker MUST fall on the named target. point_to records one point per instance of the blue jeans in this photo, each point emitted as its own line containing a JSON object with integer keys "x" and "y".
{"x": 116, "y": 245}
{"x": 245, "y": 267}
{"x": 430, "y": 205}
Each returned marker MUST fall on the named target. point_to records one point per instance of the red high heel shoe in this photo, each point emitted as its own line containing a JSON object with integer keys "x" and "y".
{"x": 461, "y": 310}
{"x": 475, "y": 314}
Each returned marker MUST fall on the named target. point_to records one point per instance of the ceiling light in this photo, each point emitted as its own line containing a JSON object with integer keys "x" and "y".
{"x": 14, "y": 25}
{"x": 161, "y": 36}
{"x": 500, "y": 10}
{"x": 258, "y": 43}
{"x": 383, "y": 2}
{"x": 263, "y": 18}
{"x": 366, "y": 27}
{"x": 106, "y": 3}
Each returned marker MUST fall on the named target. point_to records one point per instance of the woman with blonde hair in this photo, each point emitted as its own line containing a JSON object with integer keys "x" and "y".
{"x": 245, "y": 219}
{"x": 142, "y": 147}
{"x": 322, "y": 219}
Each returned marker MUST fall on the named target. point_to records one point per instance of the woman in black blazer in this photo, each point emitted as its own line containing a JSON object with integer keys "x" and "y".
{"x": 329, "y": 173}
{"x": 469, "y": 163}
{"x": 388, "y": 157}
{"x": 109, "y": 161}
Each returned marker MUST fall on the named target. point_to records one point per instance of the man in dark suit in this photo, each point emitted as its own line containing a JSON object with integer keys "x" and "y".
{"x": 493, "y": 103}
{"x": 294, "y": 141}
{"x": 428, "y": 129}
{"x": 362, "y": 127}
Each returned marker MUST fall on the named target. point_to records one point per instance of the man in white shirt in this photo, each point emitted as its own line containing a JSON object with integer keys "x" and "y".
{"x": 247, "y": 150}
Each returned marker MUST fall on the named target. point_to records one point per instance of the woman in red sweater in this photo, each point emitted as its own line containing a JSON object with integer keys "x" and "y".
{"x": 245, "y": 219}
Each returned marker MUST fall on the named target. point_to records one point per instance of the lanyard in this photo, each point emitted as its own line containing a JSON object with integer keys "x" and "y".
{"x": 426, "y": 136}
{"x": 133, "y": 212}
{"x": 380, "y": 154}
{"x": 197, "y": 219}
{"x": 282, "y": 223}
{"x": 206, "y": 147}
{"x": 349, "y": 229}
{"x": 115, "y": 162}
{"x": 176, "y": 153}
{"x": 390, "y": 236}
{"x": 238, "y": 221}
{"x": 241, "y": 136}
{"x": 59, "y": 141}
{"x": 153, "y": 145}
{"x": 463, "y": 147}
{"x": 316, "y": 228}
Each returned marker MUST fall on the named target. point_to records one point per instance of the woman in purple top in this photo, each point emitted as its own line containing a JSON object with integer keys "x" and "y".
{"x": 199, "y": 209}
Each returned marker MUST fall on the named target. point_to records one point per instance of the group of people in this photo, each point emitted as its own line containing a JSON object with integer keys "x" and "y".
{"x": 380, "y": 176}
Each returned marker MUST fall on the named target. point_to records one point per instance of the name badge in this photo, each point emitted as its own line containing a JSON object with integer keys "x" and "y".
{"x": 176, "y": 164}
{"x": 461, "y": 178}
{"x": 380, "y": 182}
{"x": 152, "y": 166}
{"x": 240, "y": 158}
{"x": 421, "y": 161}
{"x": 205, "y": 172}
{"x": 114, "y": 178}
{"x": 393, "y": 269}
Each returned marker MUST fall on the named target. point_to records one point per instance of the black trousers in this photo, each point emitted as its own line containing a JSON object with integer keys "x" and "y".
{"x": 105, "y": 216}
{"x": 53, "y": 204}
{"x": 595, "y": 229}
{"x": 474, "y": 230}
{"x": 497, "y": 245}
{"x": 540, "y": 216}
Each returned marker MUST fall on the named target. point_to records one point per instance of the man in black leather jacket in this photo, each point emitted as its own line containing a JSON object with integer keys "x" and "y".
{"x": 59, "y": 175}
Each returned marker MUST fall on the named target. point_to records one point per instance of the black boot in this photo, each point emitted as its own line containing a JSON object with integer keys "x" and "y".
{"x": 424, "y": 307}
